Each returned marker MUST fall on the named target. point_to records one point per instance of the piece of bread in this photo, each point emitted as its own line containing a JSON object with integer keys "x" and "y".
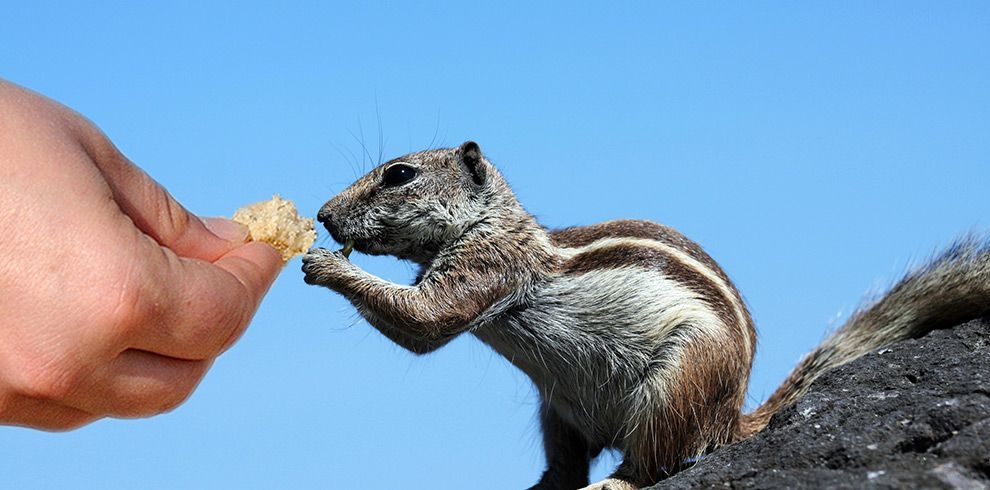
{"x": 277, "y": 223}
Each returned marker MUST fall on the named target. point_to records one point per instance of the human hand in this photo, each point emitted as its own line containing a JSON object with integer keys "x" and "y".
{"x": 114, "y": 300}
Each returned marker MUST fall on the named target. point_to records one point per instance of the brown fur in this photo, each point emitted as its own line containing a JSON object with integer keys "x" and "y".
{"x": 701, "y": 412}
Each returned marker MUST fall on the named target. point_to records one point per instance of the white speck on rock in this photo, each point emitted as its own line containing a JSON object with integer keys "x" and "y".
{"x": 875, "y": 474}
{"x": 883, "y": 395}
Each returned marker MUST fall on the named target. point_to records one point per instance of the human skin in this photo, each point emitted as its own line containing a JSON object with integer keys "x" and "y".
{"x": 114, "y": 300}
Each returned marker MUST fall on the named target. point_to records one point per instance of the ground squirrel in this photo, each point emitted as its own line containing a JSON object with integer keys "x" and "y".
{"x": 635, "y": 338}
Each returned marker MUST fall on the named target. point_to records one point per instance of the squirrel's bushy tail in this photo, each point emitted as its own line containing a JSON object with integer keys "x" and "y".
{"x": 952, "y": 288}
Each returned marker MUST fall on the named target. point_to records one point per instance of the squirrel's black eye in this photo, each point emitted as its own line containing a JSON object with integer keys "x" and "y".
{"x": 398, "y": 174}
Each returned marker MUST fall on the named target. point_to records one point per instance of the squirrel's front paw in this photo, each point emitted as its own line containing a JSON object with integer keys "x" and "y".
{"x": 324, "y": 267}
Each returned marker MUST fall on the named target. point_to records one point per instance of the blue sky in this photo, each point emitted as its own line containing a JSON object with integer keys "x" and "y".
{"x": 814, "y": 149}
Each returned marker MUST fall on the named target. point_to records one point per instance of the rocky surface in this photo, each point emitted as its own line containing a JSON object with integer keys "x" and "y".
{"x": 913, "y": 415}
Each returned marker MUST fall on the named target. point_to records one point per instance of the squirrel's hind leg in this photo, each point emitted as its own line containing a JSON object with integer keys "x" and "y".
{"x": 567, "y": 451}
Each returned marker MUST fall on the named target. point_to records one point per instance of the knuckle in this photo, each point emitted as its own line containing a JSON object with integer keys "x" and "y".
{"x": 174, "y": 218}
{"x": 168, "y": 396}
{"x": 94, "y": 141}
{"x": 48, "y": 379}
{"x": 135, "y": 305}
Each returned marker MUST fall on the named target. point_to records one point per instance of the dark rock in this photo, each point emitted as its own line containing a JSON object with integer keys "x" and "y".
{"x": 912, "y": 415}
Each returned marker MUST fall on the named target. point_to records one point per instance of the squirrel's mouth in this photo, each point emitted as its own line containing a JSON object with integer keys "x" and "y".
{"x": 367, "y": 247}
{"x": 348, "y": 247}
{"x": 349, "y": 243}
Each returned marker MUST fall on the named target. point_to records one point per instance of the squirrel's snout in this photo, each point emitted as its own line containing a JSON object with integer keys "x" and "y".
{"x": 325, "y": 216}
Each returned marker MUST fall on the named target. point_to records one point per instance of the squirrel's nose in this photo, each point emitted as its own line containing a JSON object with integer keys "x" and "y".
{"x": 324, "y": 215}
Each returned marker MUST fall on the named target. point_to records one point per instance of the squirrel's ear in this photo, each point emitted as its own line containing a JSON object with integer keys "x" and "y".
{"x": 471, "y": 157}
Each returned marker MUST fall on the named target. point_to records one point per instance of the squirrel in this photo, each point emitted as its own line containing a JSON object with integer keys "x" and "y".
{"x": 634, "y": 337}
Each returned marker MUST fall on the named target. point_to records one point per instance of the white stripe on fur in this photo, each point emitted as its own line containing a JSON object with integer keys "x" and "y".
{"x": 681, "y": 256}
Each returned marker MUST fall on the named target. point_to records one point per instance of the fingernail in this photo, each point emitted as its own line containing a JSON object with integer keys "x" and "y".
{"x": 226, "y": 229}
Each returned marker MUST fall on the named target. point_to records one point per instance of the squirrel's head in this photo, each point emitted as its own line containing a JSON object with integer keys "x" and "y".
{"x": 413, "y": 206}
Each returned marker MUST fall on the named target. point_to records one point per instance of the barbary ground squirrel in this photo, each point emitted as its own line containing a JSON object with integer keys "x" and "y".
{"x": 635, "y": 338}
